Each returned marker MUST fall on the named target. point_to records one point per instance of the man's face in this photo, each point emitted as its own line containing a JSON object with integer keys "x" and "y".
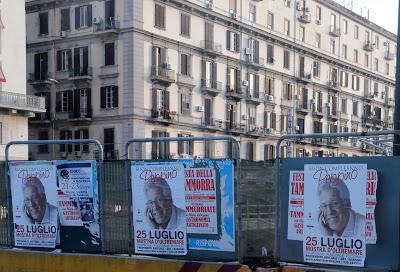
{"x": 160, "y": 206}
{"x": 35, "y": 203}
{"x": 334, "y": 209}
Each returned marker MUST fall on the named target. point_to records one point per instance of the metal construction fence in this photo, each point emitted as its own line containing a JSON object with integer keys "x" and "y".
{"x": 256, "y": 208}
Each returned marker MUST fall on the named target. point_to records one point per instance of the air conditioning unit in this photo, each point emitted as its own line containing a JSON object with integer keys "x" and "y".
{"x": 63, "y": 154}
{"x": 247, "y": 51}
{"x": 78, "y": 154}
{"x": 232, "y": 13}
{"x": 245, "y": 117}
{"x": 270, "y": 98}
{"x": 97, "y": 20}
{"x": 245, "y": 83}
{"x": 200, "y": 108}
{"x": 63, "y": 34}
{"x": 318, "y": 22}
{"x": 297, "y": 128}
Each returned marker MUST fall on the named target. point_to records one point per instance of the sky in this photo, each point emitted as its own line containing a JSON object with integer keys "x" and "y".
{"x": 382, "y": 12}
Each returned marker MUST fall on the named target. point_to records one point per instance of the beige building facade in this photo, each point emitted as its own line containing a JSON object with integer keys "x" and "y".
{"x": 113, "y": 70}
{"x": 15, "y": 105}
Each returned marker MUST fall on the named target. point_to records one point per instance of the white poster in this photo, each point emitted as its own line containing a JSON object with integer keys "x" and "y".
{"x": 201, "y": 201}
{"x": 296, "y": 206}
{"x": 159, "y": 217}
{"x": 334, "y": 214}
{"x": 34, "y": 198}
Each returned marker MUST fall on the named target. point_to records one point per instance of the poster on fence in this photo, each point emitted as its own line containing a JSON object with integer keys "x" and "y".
{"x": 33, "y": 192}
{"x": 334, "y": 214}
{"x": 158, "y": 193}
{"x": 201, "y": 200}
{"x": 224, "y": 241}
{"x": 296, "y": 206}
{"x": 78, "y": 205}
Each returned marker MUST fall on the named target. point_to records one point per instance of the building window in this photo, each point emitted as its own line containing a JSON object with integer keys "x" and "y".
{"x": 317, "y": 69}
{"x": 185, "y": 103}
{"x": 300, "y": 124}
{"x": 81, "y": 134}
{"x": 159, "y": 20}
{"x": 109, "y": 142}
{"x": 269, "y": 152}
{"x": 81, "y": 61}
{"x": 209, "y": 74}
{"x": 270, "y": 120}
{"x": 355, "y": 56}
{"x": 109, "y": 97}
{"x": 1, "y": 133}
{"x": 318, "y": 14}
{"x": 159, "y": 150}
{"x": 377, "y": 42}
{"x": 333, "y": 22}
{"x": 231, "y": 111}
{"x": 366, "y": 60}
{"x": 254, "y": 83}
{"x": 65, "y": 135}
{"x": 344, "y": 79}
{"x": 355, "y": 83}
{"x": 302, "y": 35}
{"x": 355, "y": 108}
{"x": 356, "y": 32}
{"x": 376, "y": 64}
{"x": 270, "y": 20}
{"x": 287, "y": 3}
{"x": 64, "y": 101}
{"x": 43, "y": 23}
{"x": 286, "y": 27}
{"x": 269, "y": 86}
{"x": 251, "y": 112}
{"x": 185, "y": 25}
{"x": 270, "y": 54}
{"x": 65, "y": 20}
{"x": 287, "y": 90}
{"x": 345, "y": 25}
{"x": 252, "y": 13}
{"x": 41, "y": 67}
{"x": 344, "y": 105}
{"x": 109, "y": 54}
{"x": 43, "y": 135}
{"x": 317, "y": 40}
{"x": 64, "y": 60}
{"x": 186, "y": 147}
{"x": 333, "y": 46}
{"x": 344, "y": 51}
{"x": 317, "y": 127}
{"x": 250, "y": 151}
{"x": 286, "y": 59}
{"x": 232, "y": 41}
{"x": 234, "y": 78}
{"x": 160, "y": 99}
{"x": 185, "y": 65}
{"x": 366, "y": 37}
{"x": 83, "y": 16}
{"x": 387, "y": 68}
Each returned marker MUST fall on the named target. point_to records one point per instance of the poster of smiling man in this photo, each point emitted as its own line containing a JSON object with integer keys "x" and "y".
{"x": 334, "y": 214}
{"x": 33, "y": 192}
{"x": 159, "y": 216}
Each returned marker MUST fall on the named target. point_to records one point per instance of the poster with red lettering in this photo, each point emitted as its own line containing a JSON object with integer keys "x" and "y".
{"x": 201, "y": 201}
{"x": 159, "y": 216}
{"x": 296, "y": 206}
{"x": 334, "y": 214}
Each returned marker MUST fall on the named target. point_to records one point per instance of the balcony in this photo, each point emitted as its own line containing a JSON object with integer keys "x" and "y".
{"x": 253, "y": 97}
{"x": 317, "y": 141}
{"x": 368, "y": 46}
{"x": 332, "y": 142}
{"x": 332, "y": 114}
{"x": 302, "y": 107}
{"x": 369, "y": 120}
{"x": 390, "y": 101}
{"x": 40, "y": 118}
{"x": 109, "y": 26}
{"x": 83, "y": 116}
{"x": 304, "y": 18}
{"x": 109, "y": 71}
{"x": 163, "y": 75}
{"x": 211, "y": 88}
{"x": 334, "y": 31}
{"x": 333, "y": 86}
{"x": 344, "y": 117}
{"x": 40, "y": 79}
{"x": 185, "y": 80}
{"x": 80, "y": 73}
{"x": 317, "y": 112}
{"x": 234, "y": 128}
{"x": 269, "y": 99}
{"x": 303, "y": 77}
{"x": 234, "y": 93}
{"x": 255, "y": 62}
{"x": 210, "y": 123}
{"x": 111, "y": 155}
{"x": 211, "y": 48}
{"x": 255, "y": 131}
{"x": 389, "y": 56}
{"x": 22, "y": 102}
{"x": 369, "y": 96}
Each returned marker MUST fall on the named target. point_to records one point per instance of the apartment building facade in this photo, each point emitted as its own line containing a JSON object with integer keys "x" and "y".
{"x": 15, "y": 105}
{"x": 254, "y": 69}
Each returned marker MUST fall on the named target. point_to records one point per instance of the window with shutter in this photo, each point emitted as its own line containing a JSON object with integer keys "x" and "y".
{"x": 109, "y": 140}
{"x": 43, "y": 23}
{"x": 185, "y": 25}
{"x": 286, "y": 59}
{"x": 159, "y": 20}
{"x": 65, "y": 19}
{"x": 43, "y": 135}
{"x": 270, "y": 54}
{"x": 109, "y": 54}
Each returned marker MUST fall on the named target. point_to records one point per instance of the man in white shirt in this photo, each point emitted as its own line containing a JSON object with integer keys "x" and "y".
{"x": 335, "y": 215}
{"x": 161, "y": 213}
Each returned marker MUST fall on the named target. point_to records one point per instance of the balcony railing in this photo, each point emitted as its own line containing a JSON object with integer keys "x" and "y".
{"x": 304, "y": 77}
{"x": 162, "y": 113}
{"x": 79, "y": 72}
{"x": 304, "y": 17}
{"x": 334, "y": 31}
{"x": 84, "y": 113}
{"x": 212, "y": 88}
{"x": 389, "y": 56}
{"x": 163, "y": 74}
{"x": 235, "y": 93}
{"x": 22, "y": 102}
{"x": 368, "y": 46}
{"x": 255, "y": 61}
{"x": 40, "y": 78}
{"x": 211, "y": 47}
{"x": 109, "y": 24}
